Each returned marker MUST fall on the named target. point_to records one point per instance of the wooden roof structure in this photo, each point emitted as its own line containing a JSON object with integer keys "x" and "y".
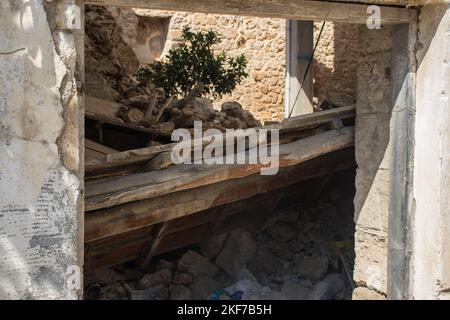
{"x": 131, "y": 212}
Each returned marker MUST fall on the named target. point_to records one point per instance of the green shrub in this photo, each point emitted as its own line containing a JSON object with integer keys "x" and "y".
{"x": 192, "y": 62}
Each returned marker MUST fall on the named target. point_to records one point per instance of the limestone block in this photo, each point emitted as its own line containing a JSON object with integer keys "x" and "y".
{"x": 371, "y": 260}
{"x": 372, "y": 201}
{"x": 363, "y": 293}
{"x": 372, "y": 135}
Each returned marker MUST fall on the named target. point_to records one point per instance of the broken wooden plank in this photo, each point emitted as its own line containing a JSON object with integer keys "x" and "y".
{"x": 151, "y": 106}
{"x": 146, "y": 185}
{"x": 114, "y": 256}
{"x": 157, "y": 236}
{"x": 195, "y": 228}
{"x": 117, "y": 249}
{"x": 314, "y": 119}
{"x": 113, "y": 221}
{"x": 186, "y": 230}
{"x": 136, "y": 157}
{"x": 95, "y": 151}
{"x": 120, "y": 124}
{"x": 131, "y": 158}
{"x": 162, "y": 109}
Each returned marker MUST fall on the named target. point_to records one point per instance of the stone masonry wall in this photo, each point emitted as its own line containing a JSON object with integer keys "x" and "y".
{"x": 372, "y": 135}
{"x": 41, "y": 162}
{"x": 335, "y": 69}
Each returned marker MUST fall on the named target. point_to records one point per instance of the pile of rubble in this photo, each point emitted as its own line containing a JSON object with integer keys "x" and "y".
{"x": 298, "y": 253}
{"x": 110, "y": 63}
{"x": 302, "y": 252}
{"x": 170, "y": 114}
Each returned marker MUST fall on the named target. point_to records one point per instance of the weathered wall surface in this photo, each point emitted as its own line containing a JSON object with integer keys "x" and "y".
{"x": 431, "y": 257}
{"x": 373, "y": 114}
{"x": 40, "y": 175}
{"x": 335, "y": 69}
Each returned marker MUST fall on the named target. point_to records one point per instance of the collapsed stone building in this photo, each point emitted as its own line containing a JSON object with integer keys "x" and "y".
{"x": 400, "y": 211}
{"x": 152, "y": 33}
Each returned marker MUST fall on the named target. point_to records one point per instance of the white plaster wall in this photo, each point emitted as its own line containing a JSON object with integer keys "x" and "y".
{"x": 431, "y": 258}
{"x": 39, "y": 155}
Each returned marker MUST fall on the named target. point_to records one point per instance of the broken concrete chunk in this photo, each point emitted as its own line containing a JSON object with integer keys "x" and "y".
{"x": 196, "y": 264}
{"x": 115, "y": 291}
{"x": 295, "y": 291}
{"x": 160, "y": 292}
{"x": 329, "y": 287}
{"x": 363, "y": 293}
{"x": 141, "y": 295}
{"x": 183, "y": 279}
{"x": 133, "y": 115}
{"x": 203, "y": 287}
{"x": 162, "y": 277}
{"x": 140, "y": 101}
{"x": 211, "y": 247}
{"x": 165, "y": 264}
{"x": 103, "y": 276}
{"x": 243, "y": 274}
{"x": 165, "y": 128}
{"x": 265, "y": 262}
{"x": 281, "y": 249}
{"x": 203, "y": 105}
{"x": 98, "y": 87}
{"x": 234, "y": 109}
{"x": 238, "y": 251}
{"x": 282, "y": 232}
{"x": 179, "y": 292}
{"x": 233, "y": 123}
{"x": 132, "y": 274}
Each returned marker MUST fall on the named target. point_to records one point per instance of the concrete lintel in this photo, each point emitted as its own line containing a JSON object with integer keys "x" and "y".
{"x": 288, "y": 9}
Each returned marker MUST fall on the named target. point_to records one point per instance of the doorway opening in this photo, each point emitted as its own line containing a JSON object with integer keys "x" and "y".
{"x": 150, "y": 235}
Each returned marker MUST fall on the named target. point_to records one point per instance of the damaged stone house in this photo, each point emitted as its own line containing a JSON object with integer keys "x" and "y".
{"x": 75, "y": 197}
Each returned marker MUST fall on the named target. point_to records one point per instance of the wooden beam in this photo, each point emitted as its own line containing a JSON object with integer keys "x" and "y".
{"x": 299, "y": 38}
{"x": 113, "y": 221}
{"x": 117, "y": 249}
{"x": 195, "y": 228}
{"x": 120, "y": 124}
{"x": 401, "y": 202}
{"x": 186, "y": 230}
{"x": 132, "y": 158}
{"x": 287, "y": 9}
{"x": 112, "y": 192}
{"x": 158, "y": 234}
{"x": 95, "y": 152}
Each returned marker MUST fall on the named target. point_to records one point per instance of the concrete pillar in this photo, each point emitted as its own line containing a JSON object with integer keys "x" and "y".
{"x": 431, "y": 190}
{"x": 372, "y": 151}
{"x": 41, "y": 202}
{"x": 299, "y": 41}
